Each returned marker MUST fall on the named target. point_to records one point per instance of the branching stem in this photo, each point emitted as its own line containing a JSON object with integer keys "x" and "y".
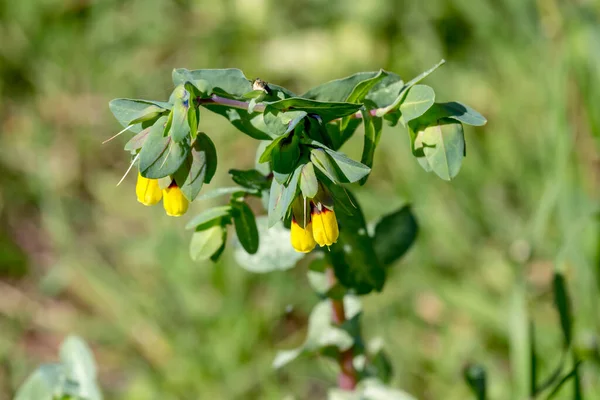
{"x": 347, "y": 378}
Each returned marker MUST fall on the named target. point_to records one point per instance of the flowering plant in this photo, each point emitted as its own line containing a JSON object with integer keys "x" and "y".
{"x": 302, "y": 177}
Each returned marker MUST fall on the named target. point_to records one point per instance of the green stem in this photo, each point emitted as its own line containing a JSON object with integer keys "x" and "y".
{"x": 347, "y": 378}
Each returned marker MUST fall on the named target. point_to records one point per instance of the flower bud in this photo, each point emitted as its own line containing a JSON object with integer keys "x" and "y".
{"x": 147, "y": 191}
{"x": 174, "y": 202}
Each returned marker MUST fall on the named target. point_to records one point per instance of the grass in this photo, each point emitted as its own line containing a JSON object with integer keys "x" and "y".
{"x": 78, "y": 254}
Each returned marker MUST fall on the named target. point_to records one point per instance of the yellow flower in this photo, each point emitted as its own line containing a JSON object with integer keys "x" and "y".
{"x": 325, "y": 227}
{"x": 147, "y": 191}
{"x": 174, "y": 202}
{"x": 302, "y": 238}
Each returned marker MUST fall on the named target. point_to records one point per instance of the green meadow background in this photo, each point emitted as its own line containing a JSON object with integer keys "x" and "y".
{"x": 79, "y": 254}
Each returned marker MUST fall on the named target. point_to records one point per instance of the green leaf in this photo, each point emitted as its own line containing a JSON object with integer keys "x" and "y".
{"x": 266, "y": 155}
{"x": 160, "y": 155}
{"x": 394, "y": 234}
{"x": 127, "y": 111}
{"x": 251, "y": 179}
{"x": 323, "y": 162}
{"x": 353, "y": 256}
{"x": 285, "y": 155}
{"x": 454, "y": 110}
{"x": 326, "y": 110}
{"x": 373, "y": 128}
{"x": 443, "y": 145}
{"x": 280, "y": 122}
{"x": 137, "y": 142}
{"x": 475, "y": 377}
{"x": 573, "y": 374}
{"x": 245, "y": 226}
{"x": 180, "y": 127}
{"x": 417, "y": 101}
{"x": 563, "y": 306}
{"x": 382, "y": 111}
{"x": 252, "y": 124}
{"x": 308, "y": 181}
{"x": 80, "y": 367}
{"x": 221, "y": 192}
{"x": 275, "y": 252}
{"x": 351, "y": 171}
{"x": 281, "y": 197}
{"x": 209, "y": 218}
{"x": 351, "y": 89}
{"x": 230, "y": 82}
{"x": 43, "y": 384}
{"x": 198, "y": 168}
{"x": 385, "y": 92}
{"x": 206, "y": 243}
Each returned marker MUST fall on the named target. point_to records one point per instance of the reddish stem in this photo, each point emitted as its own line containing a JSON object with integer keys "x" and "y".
{"x": 347, "y": 378}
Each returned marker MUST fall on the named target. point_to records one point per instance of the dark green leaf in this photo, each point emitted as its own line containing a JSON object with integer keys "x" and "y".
{"x": 385, "y": 92}
{"x": 245, "y": 226}
{"x": 209, "y": 218}
{"x": 476, "y": 379}
{"x": 265, "y": 157}
{"x": 353, "y": 256}
{"x": 205, "y": 145}
{"x": 394, "y": 234}
{"x": 251, "y": 179}
{"x": 354, "y": 86}
{"x": 454, "y": 110}
{"x": 563, "y": 306}
{"x": 160, "y": 155}
{"x": 373, "y": 128}
{"x": 285, "y": 155}
{"x": 206, "y": 243}
{"x": 418, "y": 100}
{"x": 326, "y": 110}
{"x": 275, "y": 252}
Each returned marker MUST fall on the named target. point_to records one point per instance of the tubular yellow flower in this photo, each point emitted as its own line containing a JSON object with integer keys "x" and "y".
{"x": 174, "y": 202}
{"x": 325, "y": 227}
{"x": 302, "y": 238}
{"x": 147, "y": 191}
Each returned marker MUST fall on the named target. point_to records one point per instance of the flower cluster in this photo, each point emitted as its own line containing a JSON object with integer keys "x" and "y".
{"x": 149, "y": 193}
{"x": 313, "y": 222}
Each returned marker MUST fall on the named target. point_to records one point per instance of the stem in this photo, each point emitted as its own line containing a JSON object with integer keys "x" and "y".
{"x": 347, "y": 377}
{"x": 260, "y": 107}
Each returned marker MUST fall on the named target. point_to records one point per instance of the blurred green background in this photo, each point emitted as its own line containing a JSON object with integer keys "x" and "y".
{"x": 78, "y": 254}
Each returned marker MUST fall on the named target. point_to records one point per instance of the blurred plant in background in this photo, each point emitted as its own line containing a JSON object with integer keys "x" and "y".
{"x": 523, "y": 206}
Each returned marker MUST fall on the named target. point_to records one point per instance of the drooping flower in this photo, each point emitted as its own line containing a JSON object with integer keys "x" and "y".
{"x": 147, "y": 191}
{"x": 325, "y": 226}
{"x": 174, "y": 201}
{"x": 313, "y": 222}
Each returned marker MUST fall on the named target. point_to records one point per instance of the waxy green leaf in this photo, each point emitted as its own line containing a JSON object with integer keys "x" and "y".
{"x": 160, "y": 155}
{"x": 394, "y": 235}
{"x": 326, "y": 110}
{"x": 198, "y": 168}
{"x": 130, "y": 111}
{"x": 418, "y": 100}
{"x": 250, "y": 179}
{"x": 309, "y": 184}
{"x": 351, "y": 171}
{"x": 373, "y": 128}
{"x": 209, "y": 218}
{"x": 180, "y": 127}
{"x": 245, "y": 226}
{"x": 206, "y": 243}
{"x": 442, "y": 143}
